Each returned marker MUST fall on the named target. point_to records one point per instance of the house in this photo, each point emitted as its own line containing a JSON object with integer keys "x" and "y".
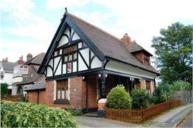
{"x": 34, "y": 85}
{"x": 83, "y": 63}
{"x": 20, "y": 72}
{"x": 6, "y": 71}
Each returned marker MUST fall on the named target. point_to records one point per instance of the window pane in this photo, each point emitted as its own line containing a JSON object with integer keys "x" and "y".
{"x": 75, "y": 56}
{"x": 80, "y": 45}
{"x": 65, "y": 58}
{"x": 70, "y": 57}
{"x": 69, "y": 67}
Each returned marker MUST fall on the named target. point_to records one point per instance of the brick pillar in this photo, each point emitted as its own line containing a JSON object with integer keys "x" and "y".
{"x": 142, "y": 84}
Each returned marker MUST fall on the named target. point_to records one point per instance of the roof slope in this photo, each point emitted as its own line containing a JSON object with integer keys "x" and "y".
{"x": 8, "y": 66}
{"x": 37, "y": 59}
{"x": 109, "y": 45}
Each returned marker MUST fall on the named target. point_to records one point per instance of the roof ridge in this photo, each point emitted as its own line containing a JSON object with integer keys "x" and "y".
{"x": 94, "y": 26}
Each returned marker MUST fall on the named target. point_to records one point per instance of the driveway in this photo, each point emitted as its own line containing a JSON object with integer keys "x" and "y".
{"x": 96, "y": 122}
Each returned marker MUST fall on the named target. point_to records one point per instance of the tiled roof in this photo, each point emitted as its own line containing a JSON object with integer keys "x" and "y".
{"x": 109, "y": 45}
{"x": 36, "y": 86}
{"x": 37, "y": 59}
{"x": 8, "y": 66}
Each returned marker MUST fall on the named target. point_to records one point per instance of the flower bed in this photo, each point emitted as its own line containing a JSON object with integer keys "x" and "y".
{"x": 139, "y": 115}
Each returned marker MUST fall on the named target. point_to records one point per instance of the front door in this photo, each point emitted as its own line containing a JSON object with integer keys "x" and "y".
{"x": 91, "y": 93}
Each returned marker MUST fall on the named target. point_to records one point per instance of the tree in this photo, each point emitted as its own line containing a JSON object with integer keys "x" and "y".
{"x": 4, "y": 89}
{"x": 174, "y": 53}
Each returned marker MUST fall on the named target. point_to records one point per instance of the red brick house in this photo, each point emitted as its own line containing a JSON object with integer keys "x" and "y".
{"x": 84, "y": 62}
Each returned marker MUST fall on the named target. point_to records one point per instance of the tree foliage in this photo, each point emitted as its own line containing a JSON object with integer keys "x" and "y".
{"x": 174, "y": 52}
{"x": 4, "y": 89}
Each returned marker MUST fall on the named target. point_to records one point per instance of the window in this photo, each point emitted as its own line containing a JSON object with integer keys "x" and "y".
{"x": 146, "y": 60}
{"x": 61, "y": 89}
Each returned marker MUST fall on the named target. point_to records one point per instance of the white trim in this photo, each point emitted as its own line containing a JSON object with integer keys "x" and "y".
{"x": 54, "y": 97}
{"x": 128, "y": 69}
{"x": 68, "y": 91}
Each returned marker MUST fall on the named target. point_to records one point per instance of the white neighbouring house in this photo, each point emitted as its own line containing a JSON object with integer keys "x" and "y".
{"x": 6, "y": 71}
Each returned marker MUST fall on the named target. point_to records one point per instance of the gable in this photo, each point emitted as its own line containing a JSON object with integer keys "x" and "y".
{"x": 71, "y": 55}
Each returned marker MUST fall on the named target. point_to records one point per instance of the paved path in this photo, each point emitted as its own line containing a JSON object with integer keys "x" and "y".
{"x": 188, "y": 122}
{"x": 169, "y": 118}
{"x": 95, "y": 122}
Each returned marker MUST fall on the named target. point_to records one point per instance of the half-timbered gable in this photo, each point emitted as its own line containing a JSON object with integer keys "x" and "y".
{"x": 71, "y": 55}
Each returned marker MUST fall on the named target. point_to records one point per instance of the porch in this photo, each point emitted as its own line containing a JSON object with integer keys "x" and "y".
{"x": 99, "y": 84}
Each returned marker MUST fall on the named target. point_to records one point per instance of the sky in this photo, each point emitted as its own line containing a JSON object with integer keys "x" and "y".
{"x": 28, "y": 26}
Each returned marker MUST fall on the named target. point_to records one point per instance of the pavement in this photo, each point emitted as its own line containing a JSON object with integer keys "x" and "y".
{"x": 170, "y": 118}
{"x": 187, "y": 122}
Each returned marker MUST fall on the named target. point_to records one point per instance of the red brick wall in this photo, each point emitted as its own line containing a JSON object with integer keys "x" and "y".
{"x": 76, "y": 87}
{"x": 32, "y": 97}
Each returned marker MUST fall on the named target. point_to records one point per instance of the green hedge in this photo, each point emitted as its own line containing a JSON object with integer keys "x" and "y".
{"x": 181, "y": 85}
{"x": 74, "y": 111}
{"x": 140, "y": 99}
{"x": 19, "y": 114}
{"x": 162, "y": 93}
{"x": 118, "y": 98}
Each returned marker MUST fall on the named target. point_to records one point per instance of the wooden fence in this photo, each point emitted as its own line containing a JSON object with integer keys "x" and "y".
{"x": 137, "y": 116}
{"x": 11, "y": 98}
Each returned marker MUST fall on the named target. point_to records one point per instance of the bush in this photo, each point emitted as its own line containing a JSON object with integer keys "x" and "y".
{"x": 74, "y": 111}
{"x": 161, "y": 94}
{"x": 140, "y": 99}
{"x": 18, "y": 114}
{"x": 4, "y": 89}
{"x": 181, "y": 85}
{"x": 118, "y": 98}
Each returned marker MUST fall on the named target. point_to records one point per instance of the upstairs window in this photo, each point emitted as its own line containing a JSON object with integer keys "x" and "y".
{"x": 146, "y": 60}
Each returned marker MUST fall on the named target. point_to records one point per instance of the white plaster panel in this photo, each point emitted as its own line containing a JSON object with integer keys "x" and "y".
{"x": 74, "y": 66}
{"x": 96, "y": 63}
{"x": 85, "y": 54}
{"x": 49, "y": 72}
{"x": 81, "y": 65}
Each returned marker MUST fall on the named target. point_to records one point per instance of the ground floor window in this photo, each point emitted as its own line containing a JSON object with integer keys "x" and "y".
{"x": 61, "y": 91}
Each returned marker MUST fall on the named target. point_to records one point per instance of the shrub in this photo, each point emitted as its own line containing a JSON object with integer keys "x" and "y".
{"x": 178, "y": 85}
{"x": 118, "y": 98}
{"x": 4, "y": 89}
{"x": 161, "y": 93}
{"x": 74, "y": 111}
{"x": 140, "y": 99}
{"x": 18, "y": 114}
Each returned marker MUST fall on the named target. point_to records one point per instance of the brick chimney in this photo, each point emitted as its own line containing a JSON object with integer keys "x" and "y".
{"x": 29, "y": 56}
{"x": 126, "y": 40}
{"x": 20, "y": 61}
{"x": 5, "y": 59}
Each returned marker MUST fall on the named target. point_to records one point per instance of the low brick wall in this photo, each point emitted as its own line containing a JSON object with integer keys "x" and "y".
{"x": 140, "y": 115}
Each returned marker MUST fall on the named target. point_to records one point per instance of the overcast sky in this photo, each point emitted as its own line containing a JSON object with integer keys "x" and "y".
{"x": 27, "y": 26}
